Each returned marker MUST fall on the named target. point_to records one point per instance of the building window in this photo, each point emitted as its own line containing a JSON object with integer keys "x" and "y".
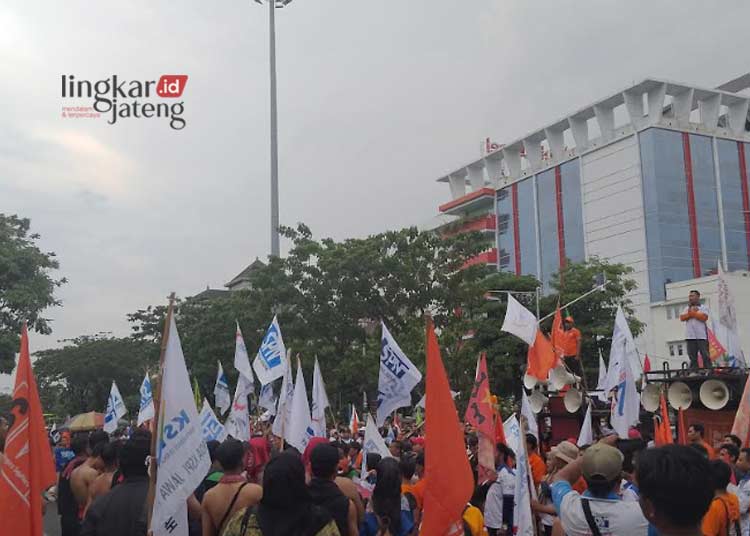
{"x": 735, "y": 202}
{"x": 548, "y": 238}
{"x": 679, "y": 349}
{"x": 671, "y": 350}
{"x": 527, "y": 227}
{"x": 572, "y": 210}
{"x": 505, "y": 246}
{"x": 669, "y": 313}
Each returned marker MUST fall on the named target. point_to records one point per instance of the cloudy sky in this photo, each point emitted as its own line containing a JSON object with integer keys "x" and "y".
{"x": 376, "y": 100}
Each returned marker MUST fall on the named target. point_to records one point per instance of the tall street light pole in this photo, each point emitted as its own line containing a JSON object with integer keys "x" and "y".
{"x": 272, "y": 4}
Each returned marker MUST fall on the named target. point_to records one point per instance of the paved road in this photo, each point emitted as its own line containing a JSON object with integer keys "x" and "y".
{"x": 51, "y": 521}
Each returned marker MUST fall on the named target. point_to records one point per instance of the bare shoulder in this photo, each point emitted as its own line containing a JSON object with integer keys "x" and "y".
{"x": 253, "y": 492}
{"x": 346, "y": 486}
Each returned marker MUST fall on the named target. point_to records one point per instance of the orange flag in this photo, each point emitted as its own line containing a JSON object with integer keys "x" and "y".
{"x": 658, "y": 432}
{"x": 27, "y": 468}
{"x": 449, "y": 482}
{"x": 558, "y": 334}
{"x": 479, "y": 412}
{"x": 681, "y": 428}
{"x": 541, "y": 357}
{"x": 666, "y": 428}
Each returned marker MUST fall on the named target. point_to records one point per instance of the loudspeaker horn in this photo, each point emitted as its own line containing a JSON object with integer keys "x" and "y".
{"x": 537, "y": 401}
{"x": 573, "y": 400}
{"x": 650, "y": 397}
{"x": 714, "y": 394}
{"x": 530, "y": 381}
{"x": 559, "y": 377}
{"x": 679, "y": 395}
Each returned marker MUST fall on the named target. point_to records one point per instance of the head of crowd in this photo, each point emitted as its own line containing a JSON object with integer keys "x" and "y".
{"x": 265, "y": 487}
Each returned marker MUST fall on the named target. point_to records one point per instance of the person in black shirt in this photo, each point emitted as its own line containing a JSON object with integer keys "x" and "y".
{"x": 325, "y": 493}
{"x": 122, "y": 511}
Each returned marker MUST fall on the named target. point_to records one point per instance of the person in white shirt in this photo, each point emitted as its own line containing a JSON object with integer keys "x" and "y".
{"x": 600, "y": 510}
{"x": 498, "y": 506}
{"x": 695, "y": 317}
{"x": 743, "y": 490}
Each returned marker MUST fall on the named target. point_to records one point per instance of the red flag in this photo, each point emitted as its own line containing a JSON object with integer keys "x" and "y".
{"x": 541, "y": 357}
{"x": 681, "y": 428}
{"x": 449, "y": 482}
{"x": 479, "y": 412}
{"x": 646, "y": 364}
{"x": 666, "y": 428}
{"x": 658, "y": 432}
{"x": 557, "y": 335}
{"x": 27, "y": 468}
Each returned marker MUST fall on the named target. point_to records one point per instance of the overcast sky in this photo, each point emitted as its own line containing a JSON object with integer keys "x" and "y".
{"x": 376, "y": 100}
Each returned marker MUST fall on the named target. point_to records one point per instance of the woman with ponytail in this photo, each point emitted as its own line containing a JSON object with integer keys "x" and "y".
{"x": 388, "y": 512}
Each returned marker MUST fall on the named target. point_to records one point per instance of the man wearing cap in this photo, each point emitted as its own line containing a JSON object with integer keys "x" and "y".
{"x": 600, "y": 510}
{"x": 559, "y": 456}
{"x": 571, "y": 346}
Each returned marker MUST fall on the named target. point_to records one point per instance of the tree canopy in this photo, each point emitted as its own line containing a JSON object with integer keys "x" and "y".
{"x": 27, "y": 287}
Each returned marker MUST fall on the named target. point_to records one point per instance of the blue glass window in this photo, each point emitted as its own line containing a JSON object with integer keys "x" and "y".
{"x": 706, "y": 203}
{"x": 549, "y": 246}
{"x": 527, "y": 227}
{"x": 732, "y": 205}
{"x": 505, "y": 243}
{"x": 570, "y": 173}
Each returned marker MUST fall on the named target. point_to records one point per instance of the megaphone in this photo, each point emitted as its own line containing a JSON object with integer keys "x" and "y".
{"x": 650, "y": 397}
{"x": 679, "y": 395}
{"x": 530, "y": 381}
{"x": 573, "y": 400}
{"x": 714, "y": 394}
{"x": 537, "y": 401}
{"x": 559, "y": 377}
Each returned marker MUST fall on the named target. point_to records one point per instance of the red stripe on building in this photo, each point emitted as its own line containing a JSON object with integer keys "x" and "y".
{"x": 560, "y": 219}
{"x": 745, "y": 197}
{"x": 694, "y": 248}
{"x": 516, "y": 231}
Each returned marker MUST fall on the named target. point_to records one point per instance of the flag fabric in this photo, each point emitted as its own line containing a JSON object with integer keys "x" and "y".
{"x": 625, "y": 404}
{"x": 523, "y": 521}
{"x": 449, "y": 485}
{"x": 421, "y": 403}
{"x": 241, "y": 360}
{"x": 181, "y": 453}
{"x": 27, "y": 468}
{"x": 666, "y": 428}
{"x": 270, "y": 363}
{"x": 284, "y": 405}
{"x": 541, "y": 357}
{"x": 520, "y": 321}
{"x": 211, "y": 427}
{"x": 373, "y": 441}
{"x": 682, "y": 429}
{"x": 526, "y": 411}
{"x": 601, "y": 382}
{"x": 557, "y": 335}
{"x": 741, "y": 426}
{"x": 197, "y": 393}
{"x": 238, "y": 422}
{"x": 481, "y": 415}
{"x": 622, "y": 349}
{"x": 115, "y": 409}
{"x": 222, "y": 398}
{"x": 398, "y": 376}
{"x": 646, "y": 364}
{"x": 354, "y": 422}
{"x": 726, "y": 326}
{"x": 586, "y": 436}
{"x": 512, "y": 429}
{"x": 146, "y": 408}
{"x": 319, "y": 403}
{"x": 267, "y": 400}
{"x": 54, "y": 435}
{"x": 715, "y": 348}
{"x": 299, "y": 432}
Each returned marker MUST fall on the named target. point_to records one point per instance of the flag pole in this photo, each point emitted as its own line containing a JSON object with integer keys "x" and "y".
{"x": 155, "y": 422}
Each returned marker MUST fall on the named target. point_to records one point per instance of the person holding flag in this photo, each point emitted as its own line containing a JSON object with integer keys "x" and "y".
{"x": 27, "y": 467}
{"x": 571, "y": 346}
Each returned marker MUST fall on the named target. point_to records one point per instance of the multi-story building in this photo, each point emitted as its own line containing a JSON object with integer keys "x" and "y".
{"x": 654, "y": 176}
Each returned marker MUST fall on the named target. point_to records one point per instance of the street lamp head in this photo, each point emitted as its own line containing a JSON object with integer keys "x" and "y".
{"x": 279, "y": 3}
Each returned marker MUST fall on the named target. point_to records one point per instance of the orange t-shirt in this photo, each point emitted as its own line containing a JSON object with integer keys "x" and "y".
{"x": 710, "y": 449}
{"x": 724, "y": 511}
{"x": 538, "y": 467}
{"x": 569, "y": 341}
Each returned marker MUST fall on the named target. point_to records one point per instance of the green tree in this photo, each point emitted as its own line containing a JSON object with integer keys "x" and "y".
{"x": 77, "y": 377}
{"x": 5, "y": 401}
{"x": 26, "y": 285}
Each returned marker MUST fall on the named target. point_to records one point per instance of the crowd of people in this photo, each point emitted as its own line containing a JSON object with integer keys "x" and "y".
{"x": 261, "y": 487}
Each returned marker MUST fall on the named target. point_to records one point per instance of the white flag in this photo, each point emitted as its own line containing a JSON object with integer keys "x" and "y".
{"x": 222, "y": 398}
{"x": 601, "y": 383}
{"x": 146, "y": 410}
{"x": 270, "y": 363}
{"x": 115, "y": 409}
{"x": 284, "y": 407}
{"x": 319, "y": 403}
{"x": 373, "y": 442}
{"x": 181, "y": 452}
{"x": 210, "y": 425}
{"x": 625, "y": 404}
{"x": 533, "y": 427}
{"x": 523, "y": 524}
{"x": 520, "y": 321}
{"x": 725, "y": 329}
{"x": 238, "y": 422}
{"x": 586, "y": 437}
{"x": 299, "y": 432}
{"x": 241, "y": 360}
{"x": 421, "y": 403}
{"x": 267, "y": 400}
{"x": 398, "y": 376}
{"x": 623, "y": 349}
{"x": 512, "y": 430}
